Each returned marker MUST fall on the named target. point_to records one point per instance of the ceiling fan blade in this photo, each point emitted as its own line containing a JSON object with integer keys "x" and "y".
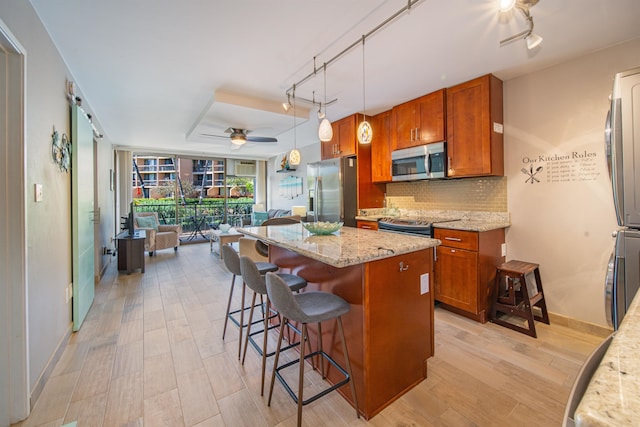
{"x": 261, "y": 139}
{"x": 210, "y": 135}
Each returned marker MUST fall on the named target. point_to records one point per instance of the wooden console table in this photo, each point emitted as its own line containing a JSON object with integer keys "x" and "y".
{"x": 131, "y": 251}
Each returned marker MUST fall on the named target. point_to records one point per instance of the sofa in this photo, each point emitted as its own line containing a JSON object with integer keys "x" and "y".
{"x": 257, "y": 218}
{"x": 158, "y": 236}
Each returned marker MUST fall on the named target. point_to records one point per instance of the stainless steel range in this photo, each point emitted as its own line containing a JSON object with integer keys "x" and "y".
{"x": 418, "y": 226}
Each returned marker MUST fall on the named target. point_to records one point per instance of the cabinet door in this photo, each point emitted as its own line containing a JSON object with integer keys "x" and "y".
{"x": 347, "y": 133}
{"x": 474, "y": 148}
{"x": 404, "y": 125}
{"x": 381, "y": 148}
{"x": 328, "y": 148}
{"x": 456, "y": 281}
{"x": 431, "y": 118}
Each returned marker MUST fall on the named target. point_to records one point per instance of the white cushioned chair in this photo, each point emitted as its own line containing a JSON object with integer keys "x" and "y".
{"x": 159, "y": 236}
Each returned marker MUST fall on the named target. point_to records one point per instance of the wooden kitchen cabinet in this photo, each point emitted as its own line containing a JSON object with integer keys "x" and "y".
{"x": 367, "y": 225}
{"x": 381, "y": 147}
{"x": 474, "y": 128}
{"x": 465, "y": 270}
{"x": 344, "y": 139}
{"x": 420, "y": 121}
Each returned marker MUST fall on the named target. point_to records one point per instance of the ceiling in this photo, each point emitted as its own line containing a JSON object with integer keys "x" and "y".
{"x": 157, "y": 74}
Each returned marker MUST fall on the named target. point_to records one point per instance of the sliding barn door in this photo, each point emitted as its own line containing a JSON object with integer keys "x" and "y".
{"x": 82, "y": 213}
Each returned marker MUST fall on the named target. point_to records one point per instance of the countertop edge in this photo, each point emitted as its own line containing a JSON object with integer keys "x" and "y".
{"x": 612, "y": 397}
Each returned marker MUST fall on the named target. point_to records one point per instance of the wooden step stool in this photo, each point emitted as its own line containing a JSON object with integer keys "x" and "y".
{"x": 518, "y": 290}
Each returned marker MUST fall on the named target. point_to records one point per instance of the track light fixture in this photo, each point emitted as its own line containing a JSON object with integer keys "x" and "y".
{"x": 325, "y": 130}
{"x": 532, "y": 39}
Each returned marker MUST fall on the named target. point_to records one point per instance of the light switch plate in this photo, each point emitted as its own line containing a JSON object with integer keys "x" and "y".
{"x": 38, "y": 192}
{"x": 424, "y": 283}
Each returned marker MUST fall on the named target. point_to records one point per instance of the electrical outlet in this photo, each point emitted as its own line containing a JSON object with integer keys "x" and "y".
{"x": 504, "y": 249}
{"x": 424, "y": 283}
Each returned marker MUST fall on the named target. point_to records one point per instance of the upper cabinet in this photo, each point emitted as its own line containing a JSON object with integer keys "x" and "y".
{"x": 343, "y": 142}
{"x": 420, "y": 121}
{"x": 474, "y": 128}
{"x": 381, "y": 147}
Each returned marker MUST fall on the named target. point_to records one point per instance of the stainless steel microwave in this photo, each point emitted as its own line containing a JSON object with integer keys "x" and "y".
{"x": 415, "y": 163}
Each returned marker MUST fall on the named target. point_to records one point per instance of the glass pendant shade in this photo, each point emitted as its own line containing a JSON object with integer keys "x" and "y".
{"x": 365, "y": 132}
{"x": 294, "y": 157}
{"x": 325, "y": 131}
{"x": 506, "y": 5}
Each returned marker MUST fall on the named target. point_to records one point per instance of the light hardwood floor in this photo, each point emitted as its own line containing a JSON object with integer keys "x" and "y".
{"x": 150, "y": 353}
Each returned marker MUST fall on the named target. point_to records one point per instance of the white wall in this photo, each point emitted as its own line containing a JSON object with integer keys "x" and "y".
{"x": 563, "y": 222}
{"x": 310, "y": 154}
{"x": 48, "y": 222}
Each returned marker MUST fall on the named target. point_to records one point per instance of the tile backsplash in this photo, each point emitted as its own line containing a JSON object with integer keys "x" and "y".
{"x": 470, "y": 194}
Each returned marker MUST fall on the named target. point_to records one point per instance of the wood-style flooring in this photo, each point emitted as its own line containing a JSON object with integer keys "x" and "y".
{"x": 150, "y": 353}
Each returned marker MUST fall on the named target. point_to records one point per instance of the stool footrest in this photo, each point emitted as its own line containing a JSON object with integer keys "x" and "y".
{"x": 316, "y": 396}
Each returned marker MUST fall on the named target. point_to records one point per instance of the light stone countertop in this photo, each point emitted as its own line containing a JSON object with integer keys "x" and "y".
{"x": 348, "y": 246}
{"x": 613, "y": 395}
{"x": 469, "y": 220}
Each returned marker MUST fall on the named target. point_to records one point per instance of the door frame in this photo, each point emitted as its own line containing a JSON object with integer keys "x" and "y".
{"x": 14, "y": 384}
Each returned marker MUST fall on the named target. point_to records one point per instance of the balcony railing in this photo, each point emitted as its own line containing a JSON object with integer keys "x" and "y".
{"x": 199, "y": 217}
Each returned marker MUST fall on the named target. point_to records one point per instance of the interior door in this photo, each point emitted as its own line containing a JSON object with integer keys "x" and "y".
{"x": 83, "y": 214}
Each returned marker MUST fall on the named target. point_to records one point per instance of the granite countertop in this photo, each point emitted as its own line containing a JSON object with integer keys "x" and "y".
{"x": 348, "y": 246}
{"x": 469, "y": 220}
{"x": 473, "y": 225}
{"x": 613, "y": 395}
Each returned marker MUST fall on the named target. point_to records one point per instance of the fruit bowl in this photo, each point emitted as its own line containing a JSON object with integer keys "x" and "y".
{"x": 224, "y": 228}
{"x": 321, "y": 227}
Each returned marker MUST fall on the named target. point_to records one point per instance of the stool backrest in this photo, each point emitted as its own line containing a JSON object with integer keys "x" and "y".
{"x": 231, "y": 259}
{"x": 283, "y": 300}
{"x": 251, "y": 275}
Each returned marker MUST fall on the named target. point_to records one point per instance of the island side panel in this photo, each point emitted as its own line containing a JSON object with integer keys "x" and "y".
{"x": 347, "y": 283}
{"x": 399, "y": 335}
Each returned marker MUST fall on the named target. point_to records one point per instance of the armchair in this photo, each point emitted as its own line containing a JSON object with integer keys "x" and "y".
{"x": 159, "y": 236}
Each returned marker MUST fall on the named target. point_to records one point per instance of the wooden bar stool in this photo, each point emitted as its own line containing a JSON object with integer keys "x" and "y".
{"x": 518, "y": 290}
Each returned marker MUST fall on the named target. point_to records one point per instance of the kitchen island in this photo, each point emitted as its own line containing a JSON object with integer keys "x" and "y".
{"x": 387, "y": 279}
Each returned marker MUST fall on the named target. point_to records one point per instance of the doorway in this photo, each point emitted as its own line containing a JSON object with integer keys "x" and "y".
{"x": 14, "y": 375}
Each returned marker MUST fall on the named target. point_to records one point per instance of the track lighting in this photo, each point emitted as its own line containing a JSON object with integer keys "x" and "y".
{"x": 532, "y": 39}
{"x": 287, "y": 105}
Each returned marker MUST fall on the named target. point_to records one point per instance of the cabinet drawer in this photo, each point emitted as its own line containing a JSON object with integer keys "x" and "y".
{"x": 367, "y": 225}
{"x": 457, "y": 238}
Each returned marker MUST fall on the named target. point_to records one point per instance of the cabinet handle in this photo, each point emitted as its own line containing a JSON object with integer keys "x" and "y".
{"x": 417, "y": 134}
{"x": 403, "y": 267}
{"x": 454, "y": 239}
{"x": 411, "y": 137}
{"x": 368, "y": 227}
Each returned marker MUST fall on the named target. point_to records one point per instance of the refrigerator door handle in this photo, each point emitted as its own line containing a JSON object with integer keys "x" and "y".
{"x": 316, "y": 187}
{"x": 613, "y": 147}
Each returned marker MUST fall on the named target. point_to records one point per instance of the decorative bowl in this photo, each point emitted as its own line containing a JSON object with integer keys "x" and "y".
{"x": 225, "y": 228}
{"x": 322, "y": 227}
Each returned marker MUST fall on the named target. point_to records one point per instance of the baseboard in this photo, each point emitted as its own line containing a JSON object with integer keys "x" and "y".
{"x": 51, "y": 364}
{"x": 580, "y": 325}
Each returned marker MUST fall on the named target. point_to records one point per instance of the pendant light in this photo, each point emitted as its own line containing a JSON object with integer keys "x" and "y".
{"x": 325, "y": 131}
{"x": 294, "y": 155}
{"x": 365, "y": 132}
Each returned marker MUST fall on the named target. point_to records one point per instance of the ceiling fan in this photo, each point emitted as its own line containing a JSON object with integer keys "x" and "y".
{"x": 241, "y": 136}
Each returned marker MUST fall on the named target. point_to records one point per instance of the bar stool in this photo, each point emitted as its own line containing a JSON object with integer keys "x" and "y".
{"x": 256, "y": 282}
{"x": 305, "y": 308}
{"x": 232, "y": 262}
{"x": 518, "y": 290}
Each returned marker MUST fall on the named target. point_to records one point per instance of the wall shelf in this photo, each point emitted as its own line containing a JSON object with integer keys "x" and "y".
{"x": 285, "y": 170}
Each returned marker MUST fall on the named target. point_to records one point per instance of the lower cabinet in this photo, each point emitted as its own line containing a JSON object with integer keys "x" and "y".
{"x": 465, "y": 270}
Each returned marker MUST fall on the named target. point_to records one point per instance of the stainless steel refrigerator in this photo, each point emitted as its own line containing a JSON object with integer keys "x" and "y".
{"x": 622, "y": 142}
{"x": 333, "y": 190}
